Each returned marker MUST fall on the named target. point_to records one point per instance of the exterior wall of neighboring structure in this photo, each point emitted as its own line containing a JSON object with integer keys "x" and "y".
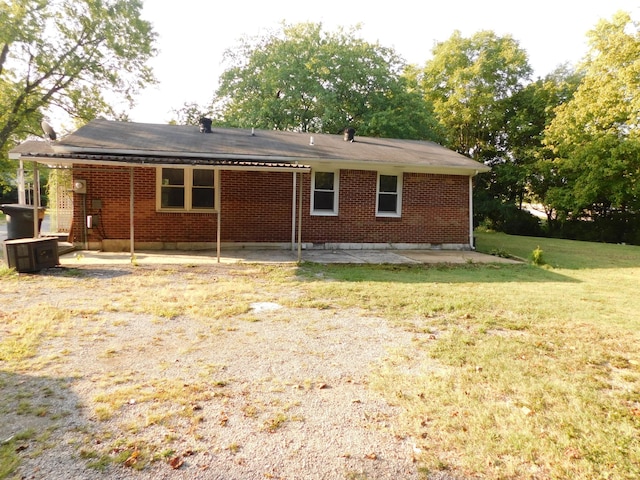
{"x": 257, "y": 208}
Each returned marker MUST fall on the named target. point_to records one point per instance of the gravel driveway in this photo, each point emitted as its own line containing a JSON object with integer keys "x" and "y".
{"x": 274, "y": 392}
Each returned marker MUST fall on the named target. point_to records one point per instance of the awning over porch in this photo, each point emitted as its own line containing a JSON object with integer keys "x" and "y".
{"x": 43, "y": 153}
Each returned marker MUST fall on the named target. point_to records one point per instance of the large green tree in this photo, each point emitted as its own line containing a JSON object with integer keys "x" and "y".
{"x": 68, "y": 57}
{"x": 470, "y": 81}
{"x": 519, "y": 174}
{"x": 303, "y": 78}
{"x": 530, "y": 111}
{"x": 595, "y": 137}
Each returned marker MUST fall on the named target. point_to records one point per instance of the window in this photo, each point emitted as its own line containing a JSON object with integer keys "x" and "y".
{"x": 186, "y": 189}
{"x": 324, "y": 193}
{"x": 389, "y": 196}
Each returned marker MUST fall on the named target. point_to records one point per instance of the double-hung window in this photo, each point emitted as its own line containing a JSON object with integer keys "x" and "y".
{"x": 389, "y": 196}
{"x": 324, "y": 193}
{"x": 186, "y": 189}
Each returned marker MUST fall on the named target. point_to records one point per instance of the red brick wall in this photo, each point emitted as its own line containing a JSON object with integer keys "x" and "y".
{"x": 256, "y": 207}
{"x": 435, "y": 209}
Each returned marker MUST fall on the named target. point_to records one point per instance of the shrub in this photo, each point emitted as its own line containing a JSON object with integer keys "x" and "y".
{"x": 536, "y": 257}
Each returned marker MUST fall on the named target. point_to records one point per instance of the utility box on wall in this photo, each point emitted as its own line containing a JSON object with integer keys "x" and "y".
{"x": 31, "y": 254}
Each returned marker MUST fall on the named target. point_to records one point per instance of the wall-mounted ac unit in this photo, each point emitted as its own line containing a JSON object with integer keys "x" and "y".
{"x": 31, "y": 254}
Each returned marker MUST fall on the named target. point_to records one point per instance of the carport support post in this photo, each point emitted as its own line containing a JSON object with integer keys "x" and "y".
{"x": 293, "y": 212}
{"x": 471, "y": 245}
{"x": 300, "y": 219}
{"x": 22, "y": 198}
{"x": 217, "y": 202}
{"x": 131, "y": 212}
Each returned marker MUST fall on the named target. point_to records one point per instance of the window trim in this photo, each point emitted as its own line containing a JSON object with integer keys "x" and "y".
{"x": 398, "y": 212}
{"x": 188, "y": 193}
{"x": 336, "y": 194}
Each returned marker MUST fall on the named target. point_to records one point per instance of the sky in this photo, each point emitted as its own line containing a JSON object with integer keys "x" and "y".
{"x": 193, "y": 34}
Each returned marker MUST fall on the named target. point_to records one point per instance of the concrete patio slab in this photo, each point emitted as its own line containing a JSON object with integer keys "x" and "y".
{"x": 276, "y": 256}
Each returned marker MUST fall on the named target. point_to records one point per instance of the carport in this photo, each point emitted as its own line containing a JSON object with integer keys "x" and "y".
{"x": 44, "y": 154}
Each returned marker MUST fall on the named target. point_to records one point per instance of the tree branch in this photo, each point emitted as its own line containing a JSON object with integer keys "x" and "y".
{"x": 3, "y": 56}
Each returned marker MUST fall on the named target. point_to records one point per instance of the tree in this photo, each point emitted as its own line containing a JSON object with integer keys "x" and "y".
{"x": 469, "y": 81}
{"x": 190, "y": 114}
{"x": 595, "y": 137}
{"x": 530, "y": 112}
{"x": 76, "y": 57}
{"x": 304, "y": 79}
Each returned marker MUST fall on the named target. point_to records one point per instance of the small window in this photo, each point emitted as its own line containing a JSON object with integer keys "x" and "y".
{"x": 389, "y": 198}
{"x": 173, "y": 187}
{"x": 186, "y": 189}
{"x": 202, "y": 195}
{"x": 324, "y": 193}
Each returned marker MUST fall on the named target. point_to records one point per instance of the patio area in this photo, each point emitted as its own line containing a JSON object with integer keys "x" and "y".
{"x": 278, "y": 256}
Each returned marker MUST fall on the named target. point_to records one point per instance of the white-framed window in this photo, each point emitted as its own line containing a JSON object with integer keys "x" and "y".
{"x": 324, "y": 193}
{"x": 389, "y": 195}
{"x": 186, "y": 189}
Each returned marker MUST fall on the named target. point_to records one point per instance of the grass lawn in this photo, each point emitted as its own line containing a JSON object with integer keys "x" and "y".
{"x": 513, "y": 372}
{"x": 516, "y": 371}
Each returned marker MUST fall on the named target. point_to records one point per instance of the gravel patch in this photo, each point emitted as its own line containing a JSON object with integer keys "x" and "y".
{"x": 276, "y": 393}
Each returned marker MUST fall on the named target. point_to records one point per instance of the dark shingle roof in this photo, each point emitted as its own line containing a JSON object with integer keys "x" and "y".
{"x": 157, "y": 143}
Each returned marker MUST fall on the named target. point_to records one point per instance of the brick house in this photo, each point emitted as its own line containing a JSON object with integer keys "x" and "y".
{"x": 184, "y": 187}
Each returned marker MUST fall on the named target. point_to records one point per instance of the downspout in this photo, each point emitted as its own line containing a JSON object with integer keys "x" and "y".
{"x": 471, "y": 239}
{"x": 131, "y": 213}
{"x": 293, "y": 212}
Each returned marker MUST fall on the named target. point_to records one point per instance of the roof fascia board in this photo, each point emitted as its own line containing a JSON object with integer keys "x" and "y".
{"x": 306, "y": 167}
{"x": 326, "y": 163}
{"x": 59, "y": 149}
{"x": 386, "y": 166}
{"x": 115, "y": 163}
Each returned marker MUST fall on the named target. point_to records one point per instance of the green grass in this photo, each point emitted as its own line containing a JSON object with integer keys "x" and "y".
{"x": 9, "y": 459}
{"x": 516, "y": 371}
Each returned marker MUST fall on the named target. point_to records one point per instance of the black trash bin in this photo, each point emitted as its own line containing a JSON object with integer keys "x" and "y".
{"x": 20, "y": 220}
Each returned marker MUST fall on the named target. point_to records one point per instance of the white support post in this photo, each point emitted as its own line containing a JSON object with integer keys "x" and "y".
{"x": 293, "y": 212}
{"x": 471, "y": 245}
{"x": 300, "y": 220}
{"x": 22, "y": 198}
{"x": 36, "y": 200}
{"x": 217, "y": 204}
{"x": 131, "y": 214}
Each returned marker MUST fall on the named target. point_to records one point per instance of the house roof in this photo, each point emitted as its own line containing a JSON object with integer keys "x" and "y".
{"x": 112, "y": 142}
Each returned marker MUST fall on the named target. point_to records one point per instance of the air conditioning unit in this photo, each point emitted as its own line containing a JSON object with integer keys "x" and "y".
{"x": 31, "y": 254}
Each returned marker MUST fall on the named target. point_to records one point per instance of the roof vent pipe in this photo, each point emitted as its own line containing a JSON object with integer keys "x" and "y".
{"x": 349, "y": 134}
{"x": 205, "y": 125}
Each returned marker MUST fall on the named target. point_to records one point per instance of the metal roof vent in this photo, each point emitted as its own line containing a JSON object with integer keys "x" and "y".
{"x": 205, "y": 125}
{"x": 349, "y": 134}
